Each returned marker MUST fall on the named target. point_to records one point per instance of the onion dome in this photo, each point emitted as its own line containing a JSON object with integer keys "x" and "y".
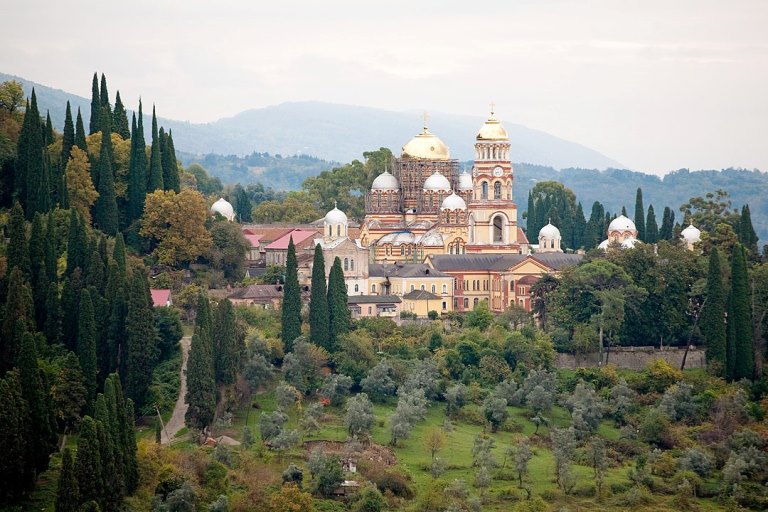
{"x": 691, "y": 234}
{"x": 549, "y": 231}
{"x": 465, "y": 181}
{"x": 491, "y": 130}
{"x": 453, "y": 202}
{"x": 335, "y": 216}
{"x": 437, "y": 182}
{"x": 385, "y": 181}
{"x": 223, "y": 208}
{"x": 621, "y": 223}
{"x": 426, "y": 146}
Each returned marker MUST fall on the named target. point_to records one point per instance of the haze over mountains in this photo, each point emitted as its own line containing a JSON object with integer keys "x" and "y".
{"x": 336, "y": 132}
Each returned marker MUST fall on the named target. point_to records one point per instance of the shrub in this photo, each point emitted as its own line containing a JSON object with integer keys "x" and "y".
{"x": 697, "y": 461}
{"x": 389, "y": 479}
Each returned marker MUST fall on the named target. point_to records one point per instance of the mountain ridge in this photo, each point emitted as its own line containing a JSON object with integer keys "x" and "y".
{"x": 336, "y": 132}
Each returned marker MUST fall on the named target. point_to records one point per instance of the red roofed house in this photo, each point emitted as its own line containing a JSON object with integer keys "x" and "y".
{"x": 254, "y": 253}
{"x": 277, "y": 251}
{"x": 161, "y": 298}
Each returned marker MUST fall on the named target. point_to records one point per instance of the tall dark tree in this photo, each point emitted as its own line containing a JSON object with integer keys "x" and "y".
{"x": 77, "y": 242}
{"x": 651, "y": 228}
{"x": 18, "y": 318}
{"x": 228, "y": 350}
{"x": 15, "y": 471}
{"x": 68, "y": 139}
{"x": 291, "y": 310}
{"x": 168, "y": 162}
{"x": 105, "y": 214}
{"x": 740, "y": 317}
{"x": 90, "y": 478}
{"x": 38, "y": 274}
{"x": 242, "y": 205}
{"x": 137, "y": 170}
{"x": 18, "y": 247}
{"x": 70, "y": 309}
{"x": 118, "y": 252}
{"x": 120, "y": 118}
{"x": 104, "y": 100}
{"x": 155, "y": 159}
{"x": 201, "y": 378}
{"x": 747, "y": 235}
{"x": 713, "y": 315}
{"x": 338, "y": 311}
{"x": 123, "y": 431}
{"x": 596, "y": 227}
{"x": 579, "y": 228}
{"x": 86, "y": 346}
{"x": 531, "y": 216}
{"x": 319, "y": 331}
{"x": 48, "y": 136}
{"x": 94, "y": 127}
{"x": 80, "y": 132}
{"x": 666, "y": 232}
{"x": 41, "y": 441}
{"x": 52, "y": 326}
{"x": 37, "y": 191}
{"x": 141, "y": 351}
{"x": 68, "y": 492}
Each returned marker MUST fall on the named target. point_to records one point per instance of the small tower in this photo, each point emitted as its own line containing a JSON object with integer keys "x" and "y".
{"x": 334, "y": 224}
{"x": 690, "y": 236}
{"x": 549, "y": 239}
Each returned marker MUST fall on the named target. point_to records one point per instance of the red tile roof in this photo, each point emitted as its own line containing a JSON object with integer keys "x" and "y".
{"x": 299, "y": 235}
{"x": 252, "y": 239}
{"x": 160, "y": 298}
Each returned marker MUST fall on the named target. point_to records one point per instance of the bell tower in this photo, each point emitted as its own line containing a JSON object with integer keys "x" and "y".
{"x": 494, "y": 213}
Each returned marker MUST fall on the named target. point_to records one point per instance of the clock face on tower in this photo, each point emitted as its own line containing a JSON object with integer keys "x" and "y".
{"x": 498, "y": 171}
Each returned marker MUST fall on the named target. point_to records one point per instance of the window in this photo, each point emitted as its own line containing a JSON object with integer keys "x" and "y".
{"x": 476, "y": 301}
{"x": 485, "y": 190}
{"x": 352, "y": 264}
{"x": 445, "y": 288}
{"x": 402, "y": 250}
{"x": 497, "y": 190}
{"x": 330, "y": 230}
{"x": 413, "y": 287}
{"x": 357, "y": 288}
{"x": 512, "y": 286}
{"x": 444, "y": 305}
{"x": 422, "y": 288}
{"x": 369, "y": 310}
{"x": 498, "y": 229}
{"x": 373, "y": 288}
{"x": 338, "y": 230}
{"x": 434, "y": 288}
{"x": 378, "y": 200}
{"x": 346, "y": 264}
{"x": 466, "y": 303}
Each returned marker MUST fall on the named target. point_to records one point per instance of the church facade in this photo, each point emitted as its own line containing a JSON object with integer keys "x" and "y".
{"x": 427, "y": 207}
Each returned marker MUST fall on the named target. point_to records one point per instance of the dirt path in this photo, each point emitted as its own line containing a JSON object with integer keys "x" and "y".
{"x": 176, "y": 422}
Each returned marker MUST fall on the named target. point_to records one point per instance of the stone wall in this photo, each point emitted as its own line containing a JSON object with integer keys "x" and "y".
{"x": 634, "y": 358}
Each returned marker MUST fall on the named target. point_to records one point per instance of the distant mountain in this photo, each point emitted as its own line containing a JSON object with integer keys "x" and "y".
{"x": 336, "y": 132}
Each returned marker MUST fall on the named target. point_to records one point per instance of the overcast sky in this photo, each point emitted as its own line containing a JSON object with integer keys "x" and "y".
{"x": 655, "y": 84}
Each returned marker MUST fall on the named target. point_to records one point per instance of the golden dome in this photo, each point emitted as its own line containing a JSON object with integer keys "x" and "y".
{"x": 426, "y": 146}
{"x": 492, "y": 130}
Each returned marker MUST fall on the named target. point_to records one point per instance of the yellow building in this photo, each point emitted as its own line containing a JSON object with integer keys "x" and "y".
{"x": 404, "y": 279}
{"x": 426, "y": 207}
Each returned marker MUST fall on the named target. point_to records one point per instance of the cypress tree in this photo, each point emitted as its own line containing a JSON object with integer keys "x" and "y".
{"x": 125, "y": 437}
{"x": 118, "y": 253}
{"x": 18, "y": 248}
{"x": 113, "y": 479}
{"x": 338, "y": 311}
{"x": 318, "y": 305}
{"x": 80, "y": 133}
{"x": 70, "y": 307}
{"x": 38, "y": 274}
{"x": 242, "y": 205}
{"x": 747, "y": 235}
{"x": 740, "y": 317}
{"x": 120, "y": 119}
{"x": 48, "y": 136}
{"x": 68, "y": 493}
{"x": 137, "y": 176}
{"x": 15, "y": 473}
{"x": 155, "y": 159}
{"x": 594, "y": 231}
{"x": 531, "y": 215}
{"x": 623, "y": 212}
{"x": 118, "y": 311}
{"x": 17, "y": 320}
{"x": 88, "y": 468}
{"x": 105, "y": 209}
{"x": 667, "y": 224}
{"x": 86, "y": 346}
{"x": 37, "y": 189}
{"x": 579, "y": 227}
{"x": 171, "y": 176}
{"x": 52, "y": 326}
{"x": 201, "y": 379}
{"x": 651, "y": 228}
{"x": 77, "y": 242}
{"x": 291, "y": 310}
{"x": 95, "y": 107}
{"x": 713, "y": 316}
{"x": 42, "y": 436}
{"x": 68, "y": 139}
{"x": 225, "y": 335}
{"x": 141, "y": 349}
{"x": 104, "y": 99}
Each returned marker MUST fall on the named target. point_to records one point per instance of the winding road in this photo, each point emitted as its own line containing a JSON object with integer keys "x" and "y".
{"x": 176, "y": 422}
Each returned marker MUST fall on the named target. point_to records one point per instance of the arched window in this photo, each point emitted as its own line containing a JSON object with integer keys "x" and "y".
{"x": 497, "y": 190}
{"x": 402, "y": 250}
{"x": 476, "y": 301}
{"x": 466, "y": 303}
{"x": 422, "y": 287}
{"x": 352, "y": 264}
{"x": 378, "y": 200}
{"x": 485, "y": 190}
{"x": 434, "y": 288}
{"x": 357, "y": 288}
{"x": 445, "y": 288}
{"x": 346, "y": 264}
{"x": 330, "y": 230}
{"x": 338, "y": 230}
{"x": 498, "y": 229}
{"x": 373, "y": 288}
{"x": 413, "y": 287}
